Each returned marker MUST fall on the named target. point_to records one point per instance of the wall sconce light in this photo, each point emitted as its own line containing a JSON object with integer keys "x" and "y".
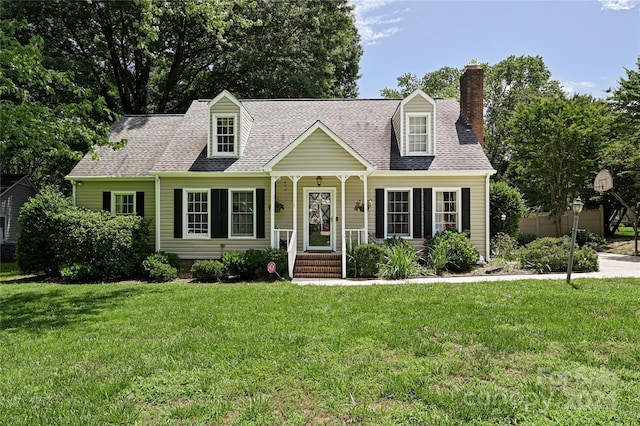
{"x": 319, "y": 180}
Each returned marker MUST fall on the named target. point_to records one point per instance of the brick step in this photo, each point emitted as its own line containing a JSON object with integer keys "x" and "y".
{"x": 318, "y": 265}
{"x": 317, "y": 275}
{"x": 315, "y": 262}
{"x": 318, "y": 269}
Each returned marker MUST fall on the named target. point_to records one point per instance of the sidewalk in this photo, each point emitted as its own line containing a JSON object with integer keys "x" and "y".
{"x": 611, "y": 266}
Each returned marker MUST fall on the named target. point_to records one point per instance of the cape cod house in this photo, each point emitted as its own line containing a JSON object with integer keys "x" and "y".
{"x": 304, "y": 175}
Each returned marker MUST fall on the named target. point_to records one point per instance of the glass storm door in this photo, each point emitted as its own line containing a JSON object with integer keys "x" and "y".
{"x": 319, "y": 219}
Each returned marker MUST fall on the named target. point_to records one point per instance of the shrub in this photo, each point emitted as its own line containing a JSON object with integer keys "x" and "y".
{"x": 234, "y": 262}
{"x": 586, "y": 237}
{"x": 279, "y": 258}
{"x": 438, "y": 258}
{"x": 504, "y": 246}
{"x": 548, "y": 254}
{"x": 397, "y": 241}
{"x": 524, "y": 239}
{"x": 57, "y": 236}
{"x": 161, "y": 266}
{"x": 208, "y": 271}
{"x": 507, "y": 201}
{"x": 400, "y": 261}
{"x": 254, "y": 265}
{"x": 460, "y": 254}
{"x": 366, "y": 259}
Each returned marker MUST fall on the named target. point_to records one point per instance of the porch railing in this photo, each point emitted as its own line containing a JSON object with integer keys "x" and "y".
{"x": 355, "y": 237}
{"x": 280, "y": 242}
{"x": 292, "y": 252}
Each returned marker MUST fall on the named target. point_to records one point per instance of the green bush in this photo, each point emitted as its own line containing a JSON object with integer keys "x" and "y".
{"x": 208, "y": 271}
{"x": 57, "y": 236}
{"x": 504, "y": 246}
{"x": 586, "y": 237}
{"x": 279, "y": 258}
{"x": 546, "y": 255}
{"x": 461, "y": 255}
{"x": 366, "y": 259}
{"x": 161, "y": 266}
{"x": 400, "y": 262}
{"x": 397, "y": 241}
{"x": 524, "y": 239}
{"x": 507, "y": 201}
{"x": 254, "y": 265}
{"x": 234, "y": 262}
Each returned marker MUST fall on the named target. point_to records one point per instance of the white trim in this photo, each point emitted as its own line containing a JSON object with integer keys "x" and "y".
{"x": 230, "y": 218}
{"x": 317, "y": 125}
{"x": 335, "y": 173}
{"x": 386, "y": 204}
{"x": 458, "y": 191}
{"x": 212, "y": 150}
{"x": 157, "y": 200}
{"x": 74, "y": 194}
{"x": 332, "y": 191}
{"x": 430, "y": 151}
{"x": 211, "y": 174}
{"x": 430, "y": 173}
{"x": 487, "y": 247}
{"x": 80, "y": 179}
{"x": 224, "y": 94}
{"x": 113, "y": 202}
{"x": 185, "y": 213}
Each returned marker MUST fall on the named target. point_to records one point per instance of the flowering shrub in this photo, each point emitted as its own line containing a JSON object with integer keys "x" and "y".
{"x": 453, "y": 246}
{"x": 548, "y": 254}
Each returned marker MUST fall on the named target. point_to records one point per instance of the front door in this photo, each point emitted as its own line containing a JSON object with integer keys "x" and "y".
{"x": 319, "y": 219}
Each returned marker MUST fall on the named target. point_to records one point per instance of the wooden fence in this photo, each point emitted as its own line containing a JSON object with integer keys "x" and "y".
{"x": 541, "y": 224}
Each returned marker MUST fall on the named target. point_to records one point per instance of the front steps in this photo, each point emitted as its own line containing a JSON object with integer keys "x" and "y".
{"x": 318, "y": 265}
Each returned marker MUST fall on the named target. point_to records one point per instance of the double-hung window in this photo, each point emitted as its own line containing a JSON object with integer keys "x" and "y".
{"x": 196, "y": 208}
{"x": 123, "y": 203}
{"x": 418, "y": 135}
{"x": 446, "y": 210}
{"x": 243, "y": 218}
{"x": 225, "y": 132}
{"x": 398, "y": 212}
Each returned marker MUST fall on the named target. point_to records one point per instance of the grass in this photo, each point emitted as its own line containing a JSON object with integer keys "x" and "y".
{"x": 8, "y": 270}
{"x": 532, "y": 352}
{"x": 625, "y": 232}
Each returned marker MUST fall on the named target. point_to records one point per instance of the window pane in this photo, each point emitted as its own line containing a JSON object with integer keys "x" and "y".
{"x": 225, "y": 134}
{"x": 418, "y": 134}
{"x": 446, "y": 214}
{"x": 398, "y": 213}
{"x": 197, "y": 212}
{"x": 124, "y": 204}
{"x": 242, "y": 214}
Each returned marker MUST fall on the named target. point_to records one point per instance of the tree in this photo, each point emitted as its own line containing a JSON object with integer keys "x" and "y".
{"x": 157, "y": 55}
{"x": 48, "y": 121}
{"x": 442, "y": 83}
{"x": 506, "y": 209}
{"x": 554, "y": 143}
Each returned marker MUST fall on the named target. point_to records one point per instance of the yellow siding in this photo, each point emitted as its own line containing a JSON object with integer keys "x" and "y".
{"x": 89, "y": 195}
{"x": 208, "y": 248}
{"x": 319, "y": 153}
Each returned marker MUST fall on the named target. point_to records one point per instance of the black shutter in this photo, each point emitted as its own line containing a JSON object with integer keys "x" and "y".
{"x": 219, "y": 213}
{"x": 140, "y": 203}
{"x": 260, "y": 231}
{"x": 466, "y": 209}
{"x": 106, "y": 201}
{"x": 379, "y": 212}
{"x": 428, "y": 211}
{"x": 177, "y": 213}
{"x": 417, "y": 213}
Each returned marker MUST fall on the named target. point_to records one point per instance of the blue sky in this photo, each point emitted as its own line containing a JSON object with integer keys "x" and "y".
{"x": 585, "y": 44}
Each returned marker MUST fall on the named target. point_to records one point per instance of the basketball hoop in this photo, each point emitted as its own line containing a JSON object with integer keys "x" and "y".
{"x": 603, "y": 181}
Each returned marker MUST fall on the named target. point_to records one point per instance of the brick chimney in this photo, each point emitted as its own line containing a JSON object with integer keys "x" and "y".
{"x": 471, "y": 99}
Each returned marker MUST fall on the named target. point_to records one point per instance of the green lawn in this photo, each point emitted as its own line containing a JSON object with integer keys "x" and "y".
{"x": 625, "y": 232}
{"x": 532, "y": 352}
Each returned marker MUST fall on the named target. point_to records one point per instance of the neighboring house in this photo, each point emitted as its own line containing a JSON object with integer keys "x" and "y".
{"x": 213, "y": 179}
{"x": 15, "y": 190}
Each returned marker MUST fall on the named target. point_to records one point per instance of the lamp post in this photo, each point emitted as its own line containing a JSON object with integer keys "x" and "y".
{"x": 577, "y": 208}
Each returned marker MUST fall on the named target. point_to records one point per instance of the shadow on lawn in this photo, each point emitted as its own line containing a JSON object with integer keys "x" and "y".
{"x": 39, "y": 311}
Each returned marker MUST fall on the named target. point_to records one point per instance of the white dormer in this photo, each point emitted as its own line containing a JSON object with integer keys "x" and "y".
{"x": 414, "y": 124}
{"x": 229, "y": 125}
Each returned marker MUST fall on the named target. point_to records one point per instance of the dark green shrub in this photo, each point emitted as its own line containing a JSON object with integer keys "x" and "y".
{"x": 524, "y": 239}
{"x": 79, "y": 273}
{"x": 366, "y": 260}
{"x": 161, "y": 266}
{"x": 56, "y": 235}
{"x": 461, "y": 255}
{"x": 254, "y": 265}
{"x": 234, "y": 262}
{"x": 505, "y": 201}
{"x": 586, "y": 237}
{"x": 208, "y": 271}
{"x": 546, "y": 255}
{"x": 34, "y": 251}
{"x": 400, "y": 262}
{"x": 504, "y": 246}
{"x": 279, "y": 258}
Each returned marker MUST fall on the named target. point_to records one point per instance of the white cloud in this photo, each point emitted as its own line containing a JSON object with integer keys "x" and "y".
{"x": 619, "y": 4}
{"x": 372, "y": 28}
{"x": 570, "y": 87}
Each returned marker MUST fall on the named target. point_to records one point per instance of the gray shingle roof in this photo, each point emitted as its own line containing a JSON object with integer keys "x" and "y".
{"x": 364, "y": 124}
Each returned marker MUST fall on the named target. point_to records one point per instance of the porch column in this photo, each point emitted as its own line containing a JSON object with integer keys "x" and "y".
{"x": 343, "y": 179}
{"x": 295, "y": 180}
{"x": 272, "y": 210}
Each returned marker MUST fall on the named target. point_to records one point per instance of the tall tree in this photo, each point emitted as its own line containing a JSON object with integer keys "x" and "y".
{"x": 554, "y": 143}
{"x": 441, "y": 83}
{"x": 48, "y": 121}
{"x": 157, "y": 55}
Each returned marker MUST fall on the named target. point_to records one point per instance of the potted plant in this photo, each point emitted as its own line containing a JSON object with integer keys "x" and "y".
{"x": 279, "y": 206}
{"x": 360, "y": 205}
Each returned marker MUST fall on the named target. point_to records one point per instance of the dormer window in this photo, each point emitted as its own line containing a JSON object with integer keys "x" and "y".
{"x": 418, "y": 135}
{"x": 225, "y": 140}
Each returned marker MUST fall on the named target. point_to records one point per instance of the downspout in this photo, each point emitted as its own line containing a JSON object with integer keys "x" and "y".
{"x": 487, "y": 222}
{"x": 73, "y": 191}
{"x": 158, "y": 213}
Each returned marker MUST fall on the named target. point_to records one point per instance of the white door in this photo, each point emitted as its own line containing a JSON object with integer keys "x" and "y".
{"x": 319, "y": 218}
